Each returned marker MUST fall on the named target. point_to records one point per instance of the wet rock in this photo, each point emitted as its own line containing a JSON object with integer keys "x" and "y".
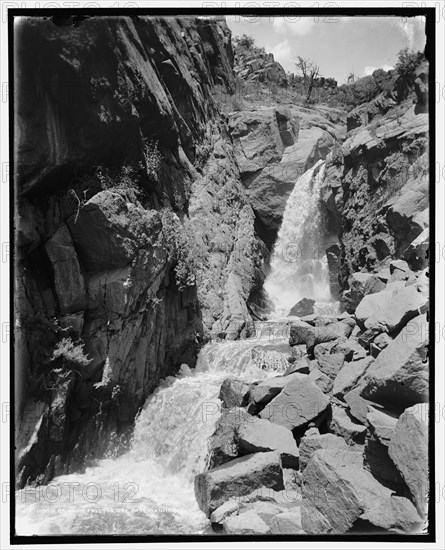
{"x": 265, "y": 391}
{"x": 311, "y": 443}
{"x": 236, "y": 478}
{"x": 223, "y": 443}
{"x": 349, "y": 376}
{"x": 304, "y": 307}
{"x": 234, "y": 392}
{"x": 399, "y": 375}
{"x": 247, "y": 523}
{"x": 262, "y": 435}
{"x": 229, "y": 508}
{"x": 326, "y": 510}
{"x": 408, "y": 449}
{"x": 344, "y": 425}
{"x": 300, "y": 402}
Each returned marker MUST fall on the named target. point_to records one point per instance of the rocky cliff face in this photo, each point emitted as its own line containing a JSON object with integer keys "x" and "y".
{"x": 135, "y": 239}
{"x": 376, "y": 185}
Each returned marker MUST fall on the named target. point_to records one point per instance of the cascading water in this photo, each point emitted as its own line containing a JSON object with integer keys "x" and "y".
{"x": 299, "y": 266}
{"x": 149, "y": 490}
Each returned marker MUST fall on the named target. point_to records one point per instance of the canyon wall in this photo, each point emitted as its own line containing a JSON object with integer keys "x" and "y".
{"x": 135, "y": 240}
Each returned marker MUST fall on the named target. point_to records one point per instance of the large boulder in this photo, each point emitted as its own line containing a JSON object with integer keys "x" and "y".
{"x": 262, "y": 393}
{"x": 287, "y": 523}
{"x": 223, "y": 443}
{"x": 338, "y": 491}
{"x": 236, "y": 478}
{"x": 408, "y": 449}
{"x": 389, "y": 310}
{"x": 399, "y": 375}
{"x": 300, "y": 402}
{"x": 382, "y": 424}
{"x": 349, "y": 376}
{"x": 229, "y": 508}
{"x": 303, "y": 333}
{"x": 304, "y": 307}
{"x": 331, "y": 364}
{"x": 262, "y": 435}
{"x": 345, "y": 426}
{"x": 234, "y": 392}
{"x": 247, "y": 523}
{"x": 311, "y": 443}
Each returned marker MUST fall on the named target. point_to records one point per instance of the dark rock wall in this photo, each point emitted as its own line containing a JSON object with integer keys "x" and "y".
{"x": 376, "y": 187}
{"x": 134, "y": 235}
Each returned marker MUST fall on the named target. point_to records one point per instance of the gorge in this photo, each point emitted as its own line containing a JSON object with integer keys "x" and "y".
{"x": 173, "y": 208}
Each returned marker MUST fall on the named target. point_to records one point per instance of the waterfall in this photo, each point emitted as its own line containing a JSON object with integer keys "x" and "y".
{"x": 149, "y": 490}
{"x": 299, "y": 266}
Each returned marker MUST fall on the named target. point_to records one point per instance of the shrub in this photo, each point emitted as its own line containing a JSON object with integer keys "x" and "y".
{"x": 70, "y": 353}
{"x": 245, "y": 41}
{"x": 153, "y": 159}
{"x": 182, "y": 249}
{"x": 408, "y": 63}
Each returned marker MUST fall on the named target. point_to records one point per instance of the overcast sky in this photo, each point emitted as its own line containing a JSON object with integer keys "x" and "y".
{"x": 338, "y": 44}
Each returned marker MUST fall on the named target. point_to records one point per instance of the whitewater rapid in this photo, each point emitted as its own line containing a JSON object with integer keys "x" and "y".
{"x": 149, "y": 489}
{"x": 299, "y": 267}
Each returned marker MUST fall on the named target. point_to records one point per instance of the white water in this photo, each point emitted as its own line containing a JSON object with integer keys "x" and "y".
{"x": 299, "y": 266}
{"x": 149, "y": 490}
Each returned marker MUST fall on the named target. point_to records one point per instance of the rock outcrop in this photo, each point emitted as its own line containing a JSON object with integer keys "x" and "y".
{"x": 135, "y": 237}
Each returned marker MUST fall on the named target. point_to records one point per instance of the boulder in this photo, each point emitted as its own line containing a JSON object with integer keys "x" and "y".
{"x": 381, "y": 424}
{"x": 331, "y": 364}
{"x": 303, "y": 333}
{"x": 311, "y": 443}
{"x": 229, "y": 508}
{"x": 234, "y": 392}
{"x": 358, "y": 406}
{"x": 247, "y": 523}
{"x": 300, "y": 365}
{"x": 323, "y": 349}
{"x": 304, "y": 307}
{"x": 236, "y": 478}
{"x": 287, "y": 523}
{"x": 416, "y": 254}
{"x": 344, "y": 425}
{"x": 262, "y": 436}
{"x": 349, "y": 376}
{"x": 351, "y": 349}
{"x": 389, "y": 310}
{"x": 408, "y": 449}
{"x": 376, "y": 460}
{"x": 321, "y": 380}
{"x": 223, "y": 443}
{"x": 379, "y": 343}
{"x": 299, "y": 402}
{"x": 261, "y": 394}
{"x": 399, "y": 375}
{"x": 327, "y": 509}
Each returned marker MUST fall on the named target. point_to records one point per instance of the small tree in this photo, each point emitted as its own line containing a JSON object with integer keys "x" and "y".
{"x": 246, "y": 42}
{"x": 309, "y": 71}
{"x": 407, "y": 64}
{"x": 351, "y": 77}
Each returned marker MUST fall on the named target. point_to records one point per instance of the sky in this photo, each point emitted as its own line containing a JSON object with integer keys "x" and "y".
{"x": 339, "y": 45}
